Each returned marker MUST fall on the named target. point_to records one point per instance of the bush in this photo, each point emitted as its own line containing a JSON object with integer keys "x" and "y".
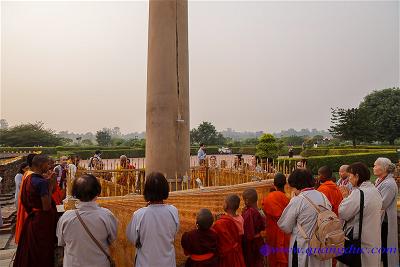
{"x": 334, "y": 162}
{"x": 312, "y": 152}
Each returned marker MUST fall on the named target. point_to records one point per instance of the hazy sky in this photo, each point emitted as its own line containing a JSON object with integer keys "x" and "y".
{"x": 81, "y": 66}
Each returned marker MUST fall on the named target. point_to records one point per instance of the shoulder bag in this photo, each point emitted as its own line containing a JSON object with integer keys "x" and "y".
{"x": 352, "y": 254}
{"x": 112, "y": 263}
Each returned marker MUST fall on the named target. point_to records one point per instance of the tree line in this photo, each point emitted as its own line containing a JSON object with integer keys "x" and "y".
{"x": 377, "y": 118}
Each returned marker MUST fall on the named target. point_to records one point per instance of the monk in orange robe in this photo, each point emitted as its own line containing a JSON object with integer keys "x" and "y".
{"x": 329, "y": 188}
{"x": 37, "y": 240}
{"x": 201, "y": 244}
{"x": 273, "y": 205}
{"x": 21, "y": 213}
{"x": 254, "y": 223}
{"x": 228, "y": 237}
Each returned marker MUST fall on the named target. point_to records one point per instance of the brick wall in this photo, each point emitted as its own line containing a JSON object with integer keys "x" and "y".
{"x": 8, "y": 172}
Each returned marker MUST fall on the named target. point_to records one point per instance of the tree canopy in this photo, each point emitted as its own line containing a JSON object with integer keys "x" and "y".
{"x": 376, "y": 119}
{"x": 267, "y": 146}
{"x": 103, "y": 138}
{"x": 382, "y": 109}
{"x": 350, "y": 124}
{"x": 31, "y": 134}
{"x": 206, "y": 133}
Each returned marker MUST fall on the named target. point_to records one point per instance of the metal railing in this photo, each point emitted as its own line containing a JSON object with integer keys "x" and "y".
{"x": 121, "y": 182}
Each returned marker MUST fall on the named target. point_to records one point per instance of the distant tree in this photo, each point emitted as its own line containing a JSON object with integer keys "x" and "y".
{"x": 293, "y": 140}
{"x": 103, "y": 138}
{"x": 206, "y": 133}
{"x": 3, "y": 124}
{"x": 250, "y": 142}
{"x": 135, "y": 143}
{"x": 116, "y": 141}
{"x": 87, "y": 142}
{"x": 383, "y": 111}
{"x": 267, "y": 147}
{"x": 31, "y": 134}
{"x": 115, "y": 132}
{"x": 350, "y": 124}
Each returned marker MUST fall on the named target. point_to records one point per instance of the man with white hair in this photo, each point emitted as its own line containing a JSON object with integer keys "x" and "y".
{"x": 387, "y": 187}
{"x": 344, "y": 177}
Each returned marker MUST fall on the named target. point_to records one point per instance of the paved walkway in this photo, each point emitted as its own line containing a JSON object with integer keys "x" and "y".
{"x": 7, "y": 245}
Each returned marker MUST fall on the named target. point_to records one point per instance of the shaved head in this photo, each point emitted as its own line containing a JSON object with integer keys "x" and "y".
{"x": 38, "y": 160}
{"x": 204, "y": 219}
{"x": 343, "y": 168}
{"x": 232, "y": 202}
{"x": 279, "y": 180}
{"x": 250, "y": 196}
{"x": 325, "y": 173}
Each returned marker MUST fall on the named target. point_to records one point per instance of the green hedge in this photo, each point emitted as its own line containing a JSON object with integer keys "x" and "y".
{"x": 334, "y": 162}
{"x": 115, "y": 152}
{"x": 313, "y": 152}
{"x": 389, "y": 147}
{"x": 106, "y": 154}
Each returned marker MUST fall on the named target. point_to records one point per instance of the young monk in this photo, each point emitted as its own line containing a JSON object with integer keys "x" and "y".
{"x": 329, "y": 188}
{"x": 273, "y": 205}
{"x": 254, "y": 223}
{"x": 200, "y": 244}
{"x": 37, "y": 239}
{"x": 228, "y": 228}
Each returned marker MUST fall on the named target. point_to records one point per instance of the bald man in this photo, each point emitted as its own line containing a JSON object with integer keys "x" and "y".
{"x": 200, "y": 244}
{"x": 344, "y": 178}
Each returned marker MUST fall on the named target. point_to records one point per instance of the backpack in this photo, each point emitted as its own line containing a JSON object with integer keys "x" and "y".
{"x": 327, "y": 237}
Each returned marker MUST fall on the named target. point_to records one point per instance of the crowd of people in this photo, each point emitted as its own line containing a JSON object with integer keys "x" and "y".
{"x": 281, "y": 231}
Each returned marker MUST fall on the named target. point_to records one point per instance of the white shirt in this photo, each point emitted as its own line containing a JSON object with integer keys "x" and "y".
{"x": 72, "y": 171}
{"x": 18, "y": 181}
{"x": 201, "y": 154}
{"x": 156, "y": 225}
{"x": 79, "y": 248}
{"x": 349, "y": 211}
{"x": 300, "y": 212}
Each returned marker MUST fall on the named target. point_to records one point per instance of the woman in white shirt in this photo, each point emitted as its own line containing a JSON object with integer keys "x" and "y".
{"x": 153, "y": 228}
{"x": 349, "y": 211}
{"x": 79, "y": 248}
{"x": 300, "y": 213}
{"x": 387, "y": 187}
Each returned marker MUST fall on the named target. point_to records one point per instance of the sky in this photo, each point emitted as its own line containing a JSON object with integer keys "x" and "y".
{"x": 262, "y": 65}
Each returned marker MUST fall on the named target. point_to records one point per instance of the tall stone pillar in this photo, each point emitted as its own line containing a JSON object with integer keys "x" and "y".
{"x": 167, "y": 111}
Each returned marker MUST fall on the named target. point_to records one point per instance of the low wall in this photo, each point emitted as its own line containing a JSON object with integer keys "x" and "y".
{"x": 8, "y": 169}
{"x": 188, "y": 203}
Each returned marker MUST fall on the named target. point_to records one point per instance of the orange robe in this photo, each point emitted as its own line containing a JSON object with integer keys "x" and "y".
{"x": 21, "y": 212}
{"x": 273, "y": 205}
{"x": 332, "y": 193}
{"x": 229, "y": 242}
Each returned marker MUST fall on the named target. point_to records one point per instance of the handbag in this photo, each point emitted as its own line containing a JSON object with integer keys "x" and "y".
{"x": 352, "y": 255}
{"x": 112, "y": 263}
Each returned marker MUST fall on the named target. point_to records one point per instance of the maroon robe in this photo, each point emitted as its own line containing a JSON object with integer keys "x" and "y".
{"x": 229, "y": 242}
{"x": 37, "y": 241}
{"x": 200, "y": 243}
{"x": 254, "y": 223}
